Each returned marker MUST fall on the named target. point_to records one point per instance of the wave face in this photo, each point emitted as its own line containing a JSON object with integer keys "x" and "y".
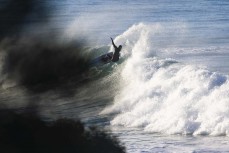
{"x": 164, "y": 96}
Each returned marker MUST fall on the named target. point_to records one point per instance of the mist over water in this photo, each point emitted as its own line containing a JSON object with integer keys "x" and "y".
{"x": 41, "y": 71}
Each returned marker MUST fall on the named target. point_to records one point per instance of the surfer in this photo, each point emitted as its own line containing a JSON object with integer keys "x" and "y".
{"x": 116, "y": 54}
{"x": 108, "y": 57}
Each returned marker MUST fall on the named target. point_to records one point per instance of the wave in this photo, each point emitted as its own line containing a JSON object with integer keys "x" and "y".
{"x": 166, "y": 96}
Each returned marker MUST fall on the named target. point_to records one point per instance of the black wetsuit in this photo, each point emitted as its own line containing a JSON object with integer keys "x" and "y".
{"x": 116, "y": 54}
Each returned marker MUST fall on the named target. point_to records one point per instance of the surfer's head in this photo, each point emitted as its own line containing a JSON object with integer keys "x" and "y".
{"x": 120, "y": 47}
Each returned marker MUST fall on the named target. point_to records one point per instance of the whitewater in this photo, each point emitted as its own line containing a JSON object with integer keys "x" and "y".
{"x": 166, "y": 96}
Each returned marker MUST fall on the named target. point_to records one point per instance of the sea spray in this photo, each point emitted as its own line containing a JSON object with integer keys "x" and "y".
{"x": 165, "y": 96}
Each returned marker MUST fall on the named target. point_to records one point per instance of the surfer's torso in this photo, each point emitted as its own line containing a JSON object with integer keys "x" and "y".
{"x": 116, "y": 55}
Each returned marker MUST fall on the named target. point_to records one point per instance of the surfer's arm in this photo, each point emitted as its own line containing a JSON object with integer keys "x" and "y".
{"x": 113, "y": 43}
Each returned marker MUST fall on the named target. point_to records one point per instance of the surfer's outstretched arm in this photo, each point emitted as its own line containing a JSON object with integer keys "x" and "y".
{"x": 113, "y": 43}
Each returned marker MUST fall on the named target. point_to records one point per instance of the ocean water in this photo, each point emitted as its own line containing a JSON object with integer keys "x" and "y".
{"x": 170, "y": 90}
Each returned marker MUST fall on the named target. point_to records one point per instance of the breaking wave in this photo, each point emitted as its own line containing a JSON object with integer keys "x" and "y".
{"x": 163, "y": 95}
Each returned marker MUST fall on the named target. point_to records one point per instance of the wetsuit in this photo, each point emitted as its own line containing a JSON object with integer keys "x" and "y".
{"x": 116, "y": 54}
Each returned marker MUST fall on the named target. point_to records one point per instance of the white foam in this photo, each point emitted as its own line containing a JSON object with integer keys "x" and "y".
{"x": 162, "y": 95}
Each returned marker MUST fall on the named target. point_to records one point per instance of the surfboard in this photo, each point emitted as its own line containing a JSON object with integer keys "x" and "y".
{"x": 102, "y": 59}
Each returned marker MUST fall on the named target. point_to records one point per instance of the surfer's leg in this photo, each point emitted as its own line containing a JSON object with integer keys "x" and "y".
{"x": 109, "y": 57}
{"x": 105, "y": 58}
